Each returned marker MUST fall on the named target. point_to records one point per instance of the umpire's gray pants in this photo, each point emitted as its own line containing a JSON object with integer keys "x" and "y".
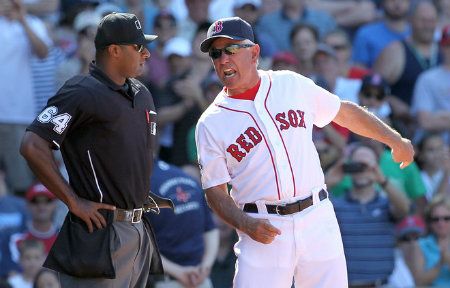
{"x": 131, "y": 253}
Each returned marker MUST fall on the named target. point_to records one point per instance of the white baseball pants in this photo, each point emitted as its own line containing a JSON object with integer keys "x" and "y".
{"x": 309, "y": 250}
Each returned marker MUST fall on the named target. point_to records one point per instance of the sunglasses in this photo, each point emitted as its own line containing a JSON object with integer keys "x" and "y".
{"x": 378, "y": 96}
{"x": 229, "y": 50}
{"x": 138, "y": 48}
{"x": 339, "y": 47}
{"x": 409, "y": 238}
{"x": 437, "y": 219}
{"x": 41, "y": 200}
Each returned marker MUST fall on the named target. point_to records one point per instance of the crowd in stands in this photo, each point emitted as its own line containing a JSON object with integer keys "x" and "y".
{"x": 390, "y": 56}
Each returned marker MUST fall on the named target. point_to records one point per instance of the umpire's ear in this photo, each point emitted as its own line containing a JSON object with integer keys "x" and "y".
{"x": 255, "y": 53}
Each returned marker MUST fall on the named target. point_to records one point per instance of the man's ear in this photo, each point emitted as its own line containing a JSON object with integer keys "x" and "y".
{"x": 114, "y": 50}
{"x": 255, "y": 52}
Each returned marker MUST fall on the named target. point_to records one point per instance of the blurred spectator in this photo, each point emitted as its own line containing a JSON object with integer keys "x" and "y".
{"x": 197, "y": 14}
{"x": 42, "y": 206}
{"x": 431, "y": 101}
{"x": 157, "y": 71}
{"x": 44, "y": 9}
{"x": 348, "y": 13}
{"x": 187, "y": 237}
{"x": 370, "y": 251}
{"x": 407, "y": 180}
{"x": 339, "y": 40}
{"x": 249, "y": 10}
{"x": 407, "y": 231}
{"x": 269, "y": 6}
{"x": 304, "y": 39}
{"x": 85, "y": 25}
{"x": 326, "y": 65}
{"x": 431, "y": 258}
{"x": 106, "y": 8}
{"x": 372, "y": 38}
{"x": 202, "y": 68}
{"x": 279, "y": 24}
{"x": 401, "y": 62}
{"x": 22, "y": 35}
{"x": 443, "y": 8}
{"x": 46, "y": 278}
{"x": 32, "y": 256}
{"x": 329, "y": 154}
{"x": 211, "y": 87}
{"x": 13, "y": 212}
{"x": 373, "y": 95}
{"x": 183, "y": 103}
{"x": 284, "y": 61}
{"x": 433, "y": 156}
{"x": 144, "y": 12}
{"x": 45, "y": 80}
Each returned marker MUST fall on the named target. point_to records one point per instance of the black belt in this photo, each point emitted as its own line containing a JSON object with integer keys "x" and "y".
{"x": 288, "y": 208}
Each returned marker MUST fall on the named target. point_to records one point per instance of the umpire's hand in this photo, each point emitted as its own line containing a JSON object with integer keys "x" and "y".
{"x": 260, "y": 230}
{"x": 88, "y": 212}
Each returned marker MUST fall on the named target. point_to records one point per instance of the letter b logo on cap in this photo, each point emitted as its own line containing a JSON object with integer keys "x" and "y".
{"x": 218, "y": 26}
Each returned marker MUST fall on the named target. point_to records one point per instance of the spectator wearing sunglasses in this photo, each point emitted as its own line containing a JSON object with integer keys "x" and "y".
{"x": 408, "y": 231}
{"x": 339, "y": 40}
{"x": 431, "y": 258}
{"x": 433, "y": 157}
{"x": 41, "y": 204}
{"x": 369, "y": 251}
{"x": 373, "y": 95}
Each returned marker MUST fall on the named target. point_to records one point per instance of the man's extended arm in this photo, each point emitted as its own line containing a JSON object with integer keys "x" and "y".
{"x": 223, "y": 205}
{"x": 364, "y": 123}
{"x": 39, "y": 156}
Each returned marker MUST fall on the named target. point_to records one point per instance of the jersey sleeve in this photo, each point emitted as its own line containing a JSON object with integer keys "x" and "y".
{"x": 211, "y": 159}
{"x": 65, "y": 111}
{"x": 325, "y": 104}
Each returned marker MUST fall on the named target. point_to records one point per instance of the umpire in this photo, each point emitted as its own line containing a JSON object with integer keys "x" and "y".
{"x": 105, "y": 125}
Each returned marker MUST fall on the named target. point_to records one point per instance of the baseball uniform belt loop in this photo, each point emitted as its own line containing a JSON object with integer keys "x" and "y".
{"x": 287, "y": 209}
{"x": 133, "y": 215}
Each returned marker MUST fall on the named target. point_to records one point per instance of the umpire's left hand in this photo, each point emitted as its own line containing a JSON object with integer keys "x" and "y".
{"x": 88, "y": 212}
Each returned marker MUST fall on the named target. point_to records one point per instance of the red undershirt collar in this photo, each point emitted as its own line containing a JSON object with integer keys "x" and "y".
{"x": 250, "y": 94}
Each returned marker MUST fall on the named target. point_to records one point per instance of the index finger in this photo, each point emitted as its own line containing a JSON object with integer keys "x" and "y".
{"x": 106, "y": 206}
{"x": 269, "y": 227}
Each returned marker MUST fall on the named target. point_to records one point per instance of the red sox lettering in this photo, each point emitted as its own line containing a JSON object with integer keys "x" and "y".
{"x": 294, "y": 119}
{"x": 243, "y": 146}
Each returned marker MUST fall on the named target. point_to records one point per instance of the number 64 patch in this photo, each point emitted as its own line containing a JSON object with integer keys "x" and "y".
{"x": 49, "y": 115}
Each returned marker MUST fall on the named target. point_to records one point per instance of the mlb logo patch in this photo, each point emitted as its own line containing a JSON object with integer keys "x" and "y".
{"x": 138, "y": 24}
{"x": 218, "y": 26}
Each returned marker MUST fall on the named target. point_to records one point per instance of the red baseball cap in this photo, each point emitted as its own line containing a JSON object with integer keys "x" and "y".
{"x": 285, "y": 57}
{"x": 410, "y": 224}
{"x": 38, "y": 190}
{"x": 445, "y": 37}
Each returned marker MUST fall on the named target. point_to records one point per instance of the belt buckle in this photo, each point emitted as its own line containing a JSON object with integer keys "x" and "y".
{"x": 136, "y": 217}
{"x": 277, "y": 209}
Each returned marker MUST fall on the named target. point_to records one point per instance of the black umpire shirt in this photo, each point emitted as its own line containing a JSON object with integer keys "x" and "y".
{"x": 106, "y": 134}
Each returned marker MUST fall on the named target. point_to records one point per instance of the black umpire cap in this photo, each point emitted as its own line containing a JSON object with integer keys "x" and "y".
{"x": 232, "y": 28}
{"x": 121, "y": 28}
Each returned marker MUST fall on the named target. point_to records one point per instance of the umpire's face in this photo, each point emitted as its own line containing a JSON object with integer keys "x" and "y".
{"x": 237, "y": 70}
{"x": 131, "y": 59}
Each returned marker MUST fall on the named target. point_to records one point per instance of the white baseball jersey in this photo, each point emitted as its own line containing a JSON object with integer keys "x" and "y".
{"x": 264, "y": 148}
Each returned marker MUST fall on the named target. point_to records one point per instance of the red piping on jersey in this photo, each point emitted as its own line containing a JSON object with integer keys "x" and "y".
{"x": 265, "y": 141}
{"x": 282, "y": 140}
